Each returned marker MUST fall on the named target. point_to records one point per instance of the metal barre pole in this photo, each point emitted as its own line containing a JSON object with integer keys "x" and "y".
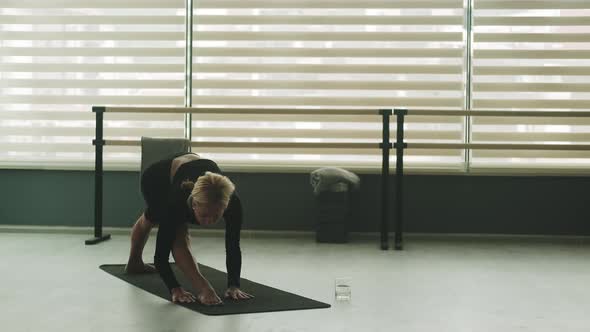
{"x": 399, "y": 178}
{"x": 277, "y": 145}
{"x": 498, "y": 146}
{"x": 239, "y": 110}
{"x": 342, "y": 111}
{"x": 498, "y": 113}
{"x": 98, "y": 179}
{"x": 385, "y": 146}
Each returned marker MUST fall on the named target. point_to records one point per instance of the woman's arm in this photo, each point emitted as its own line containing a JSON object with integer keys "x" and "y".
{"x": 164, "y": 241}
{"x": 186, "y": 261}
{"x": 178, "y": 239}
{"x": 233, "y": 224}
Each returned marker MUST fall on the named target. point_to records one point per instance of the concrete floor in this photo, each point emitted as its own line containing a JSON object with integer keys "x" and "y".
{"x": 51, "y": 282}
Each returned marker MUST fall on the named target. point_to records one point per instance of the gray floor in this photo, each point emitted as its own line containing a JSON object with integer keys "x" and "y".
{"x": 51, "y": 282}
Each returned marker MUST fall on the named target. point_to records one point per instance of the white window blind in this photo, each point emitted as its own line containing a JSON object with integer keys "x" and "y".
{"x": 59, "y": 58}
{"x": 531, "y": 55}
{"x": 327, "y": 54}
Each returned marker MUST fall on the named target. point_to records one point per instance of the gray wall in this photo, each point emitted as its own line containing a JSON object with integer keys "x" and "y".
{"x": 447, "y": 204}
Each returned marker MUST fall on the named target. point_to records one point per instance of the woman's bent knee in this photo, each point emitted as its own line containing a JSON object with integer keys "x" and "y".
{"x": 145, "y": 223}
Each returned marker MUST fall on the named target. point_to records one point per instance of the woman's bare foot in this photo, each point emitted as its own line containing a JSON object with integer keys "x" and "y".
{"x": 139, "y": 267}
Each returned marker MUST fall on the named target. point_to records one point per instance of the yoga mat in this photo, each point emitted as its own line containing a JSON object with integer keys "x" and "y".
{"x": 266, "y": 299}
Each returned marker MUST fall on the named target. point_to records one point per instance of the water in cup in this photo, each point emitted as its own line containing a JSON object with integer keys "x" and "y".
{"x": 343, "y": 289}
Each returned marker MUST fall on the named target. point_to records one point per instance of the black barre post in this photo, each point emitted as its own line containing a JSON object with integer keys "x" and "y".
{"x": 98, "y": 142}
{"x": 399, "y": 177}
{"x": 385, "y": 146}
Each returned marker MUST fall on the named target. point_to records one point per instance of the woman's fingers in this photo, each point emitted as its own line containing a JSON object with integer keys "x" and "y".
{"x": 179, "y": 295}
{"x": 239, "y": 295}
{"x": 243, "y": 295}
{"x": 210, "y": 300}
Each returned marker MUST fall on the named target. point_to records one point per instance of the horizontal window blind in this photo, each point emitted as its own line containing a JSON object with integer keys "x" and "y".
{"x": 531, "y": 55}
{"x": 59, "y": 58}
{"x": 327, "y": 55}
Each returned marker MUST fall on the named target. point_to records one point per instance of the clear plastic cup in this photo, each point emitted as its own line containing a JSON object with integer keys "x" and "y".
{"x": 343, "y": 288}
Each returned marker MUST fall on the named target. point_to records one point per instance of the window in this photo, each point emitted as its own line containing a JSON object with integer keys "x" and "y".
{"x": 531, "y": 55}
{"x": 322, "y": 55}
{"x": 58, "y": 58}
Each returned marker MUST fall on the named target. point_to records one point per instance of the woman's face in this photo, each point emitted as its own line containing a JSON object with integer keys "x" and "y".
{"x": 207, "y": 214}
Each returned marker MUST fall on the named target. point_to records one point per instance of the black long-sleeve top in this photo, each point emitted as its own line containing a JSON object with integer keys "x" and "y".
{"x": 179, "y": 212}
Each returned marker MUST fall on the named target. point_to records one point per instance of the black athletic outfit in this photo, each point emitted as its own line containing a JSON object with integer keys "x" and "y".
{"x": 167, "y": 206}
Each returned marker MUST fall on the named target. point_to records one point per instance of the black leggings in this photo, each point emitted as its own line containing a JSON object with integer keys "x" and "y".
{"x": 155, "y": 188}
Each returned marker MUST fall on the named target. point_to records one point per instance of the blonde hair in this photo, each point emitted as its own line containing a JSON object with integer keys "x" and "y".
{"x": 211, "y": 189}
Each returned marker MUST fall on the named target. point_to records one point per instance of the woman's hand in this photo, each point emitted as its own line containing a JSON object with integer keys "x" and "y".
{"x": 209, "y": 297}
{"x": 235, "y": 293}
{"x": 179, "y": 295}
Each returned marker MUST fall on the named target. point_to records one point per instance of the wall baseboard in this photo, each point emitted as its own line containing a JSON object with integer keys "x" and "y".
{"x": 127, "y": 230}
{"x": 266, "y": 234}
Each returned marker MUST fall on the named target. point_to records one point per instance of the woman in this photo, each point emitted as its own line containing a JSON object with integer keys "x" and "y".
{"x": 174, "y": 201}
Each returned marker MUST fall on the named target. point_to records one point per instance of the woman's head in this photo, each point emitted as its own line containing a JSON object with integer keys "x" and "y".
{"x": 210, "y": 197}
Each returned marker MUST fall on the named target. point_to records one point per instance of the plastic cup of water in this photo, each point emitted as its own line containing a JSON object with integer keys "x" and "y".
{"x": 343, "y": 289}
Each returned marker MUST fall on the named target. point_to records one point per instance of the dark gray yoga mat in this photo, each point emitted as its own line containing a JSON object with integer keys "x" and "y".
{"x": 266, "y": 298}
